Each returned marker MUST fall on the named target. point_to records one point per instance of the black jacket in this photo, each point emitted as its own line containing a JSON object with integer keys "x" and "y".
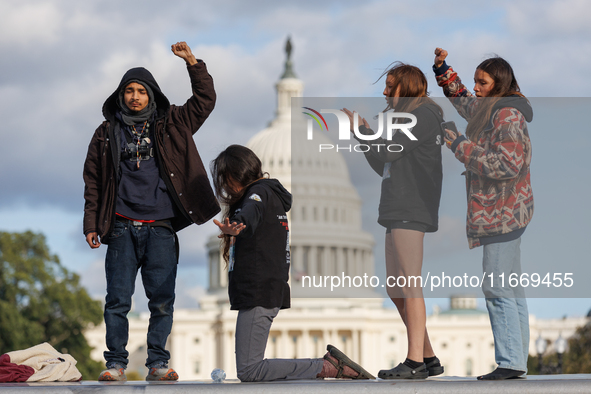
{"x": 260, "y": 257}
{"x": 180, "y": 165}
{"x": 411, "y": 179}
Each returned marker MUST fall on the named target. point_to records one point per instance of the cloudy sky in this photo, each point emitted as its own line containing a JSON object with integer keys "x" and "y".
{"x": 61, "y": 59}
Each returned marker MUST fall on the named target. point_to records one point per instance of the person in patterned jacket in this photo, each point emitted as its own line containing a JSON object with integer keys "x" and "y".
{"x": 496, "y": 152}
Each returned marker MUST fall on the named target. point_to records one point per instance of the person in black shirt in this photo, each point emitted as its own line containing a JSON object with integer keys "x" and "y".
{"x": 255, "y": 238}
{"x": 143, "y": 182}
{"x": 409, "y": 207}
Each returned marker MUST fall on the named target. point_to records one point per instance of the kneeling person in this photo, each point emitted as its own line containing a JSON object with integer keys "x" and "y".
{"x": 255, "y": 237}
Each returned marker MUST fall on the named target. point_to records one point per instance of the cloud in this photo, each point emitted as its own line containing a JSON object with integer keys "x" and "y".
{"x": 24, "y": 24}
{"x": 62, "y": 58}
{"x": 553, "y": 20}
{"x": 193, "y": 241}
{"x": 188, "y": 295}
{"x": 58, "y": 70}
{"x": 93, "y": 279}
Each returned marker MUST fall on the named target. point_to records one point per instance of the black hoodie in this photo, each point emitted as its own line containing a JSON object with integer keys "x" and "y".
{"x": 179, "y": 163}
{"x": 260, "y": 256}
{"x": 142, "y": 193}
{"x": 110, "y": 106}
{"x": 411, "y": 179}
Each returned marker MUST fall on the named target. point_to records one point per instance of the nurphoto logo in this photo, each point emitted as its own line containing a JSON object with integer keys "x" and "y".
{"x": 345, "y": 131}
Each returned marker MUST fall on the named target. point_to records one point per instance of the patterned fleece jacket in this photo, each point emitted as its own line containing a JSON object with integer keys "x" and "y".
{"x": 500, "y": 198}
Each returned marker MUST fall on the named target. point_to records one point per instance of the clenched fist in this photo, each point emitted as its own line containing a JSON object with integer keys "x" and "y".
{"x": 182, "y": 50}
{"x": 440, "y": 55}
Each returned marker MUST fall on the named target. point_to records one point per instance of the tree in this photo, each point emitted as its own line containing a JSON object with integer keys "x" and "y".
{"x": 40, "y": 301}
{"x": 578, "y": 357}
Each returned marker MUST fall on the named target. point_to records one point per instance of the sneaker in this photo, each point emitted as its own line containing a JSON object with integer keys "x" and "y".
{"x": 112, "y": 374}
{"x": 166, "y": 373}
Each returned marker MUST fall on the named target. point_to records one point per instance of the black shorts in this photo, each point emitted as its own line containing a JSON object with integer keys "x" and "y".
{"x": 407, "y": 225}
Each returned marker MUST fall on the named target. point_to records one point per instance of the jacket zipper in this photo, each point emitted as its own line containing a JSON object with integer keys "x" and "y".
{"x": 164, "y": 173}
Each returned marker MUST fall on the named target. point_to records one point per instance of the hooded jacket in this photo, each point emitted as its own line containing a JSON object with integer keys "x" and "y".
{"x": 259, "y": 256}
{"x": 179, "y": 162}
{"x": 412, "y": 178}
{"x": 500, "y": 197}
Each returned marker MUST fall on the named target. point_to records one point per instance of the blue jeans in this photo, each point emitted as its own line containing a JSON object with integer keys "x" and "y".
{"x": 153, "y": 249}
{"x": 507, "y": 306}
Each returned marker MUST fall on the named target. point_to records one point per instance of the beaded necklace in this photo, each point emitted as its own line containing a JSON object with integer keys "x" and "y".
{"x": 139, "y": 139}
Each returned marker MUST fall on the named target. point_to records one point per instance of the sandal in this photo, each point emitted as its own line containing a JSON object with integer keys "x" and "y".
{"x": 344, "y": 361}
{"x": 404, "y": 372}
{"x": 434, "y": 367}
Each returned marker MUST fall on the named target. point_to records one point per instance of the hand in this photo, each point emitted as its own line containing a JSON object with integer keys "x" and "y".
{"x": 440, "y": 55}
{"x": 362, "y": 121}
{"x": 92, "y": 240}
{"x": 182, "y": 50}
{"x": 450, "y": 137}
{"x": 230, "y": 228}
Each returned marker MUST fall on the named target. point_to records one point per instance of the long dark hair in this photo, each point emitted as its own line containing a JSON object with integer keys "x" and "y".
{"x": 413, "y": 86}
{"x": 235, "y": 166}
{"x": 505, "y": 84}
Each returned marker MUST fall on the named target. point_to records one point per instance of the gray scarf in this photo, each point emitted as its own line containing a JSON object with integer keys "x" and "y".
{"x": 134, "y": 117}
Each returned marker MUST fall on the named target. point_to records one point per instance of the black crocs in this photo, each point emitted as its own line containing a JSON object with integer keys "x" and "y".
{"x": 404, "y": 372}
{"x": 434, "y": 367}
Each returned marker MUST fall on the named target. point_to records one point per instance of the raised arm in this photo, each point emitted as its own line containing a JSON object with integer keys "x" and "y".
{"x": 196, "y": 110}
{"x": 453, "y": 88}
{"x": 182, "y": 50}
{"x": 440, "y": 56}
